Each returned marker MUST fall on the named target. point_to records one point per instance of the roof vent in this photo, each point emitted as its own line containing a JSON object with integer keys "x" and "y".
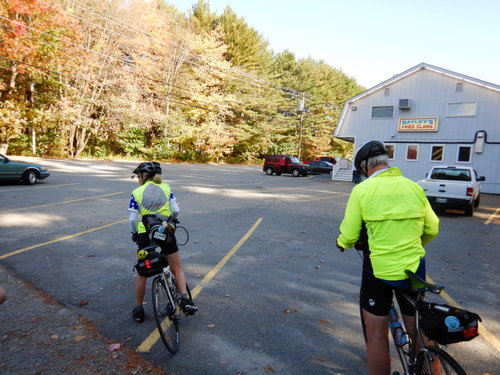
{"x": 404, "y": 104}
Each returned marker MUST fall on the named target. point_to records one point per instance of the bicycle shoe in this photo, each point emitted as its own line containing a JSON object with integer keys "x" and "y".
{"x": 188, "y": 306}
{"x": 138, "y": 314}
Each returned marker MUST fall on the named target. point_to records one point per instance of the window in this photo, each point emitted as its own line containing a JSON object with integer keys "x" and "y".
{"x": 387, "y": 91}
{"x": 381, "y": 112}
{"x": 390, "y": 151}
{"x": 411, "y": 152}
{"x": 437, "y": 152}
{"x": 461, "y": 109}
{"x": 464, "y": 154}
{"x": 459, "y": 87}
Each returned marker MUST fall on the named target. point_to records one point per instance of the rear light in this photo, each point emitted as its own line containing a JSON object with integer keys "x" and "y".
{"x": 470, "y": 332}
{"x": 147, "y": 263}
{"x": 469, "y": 191}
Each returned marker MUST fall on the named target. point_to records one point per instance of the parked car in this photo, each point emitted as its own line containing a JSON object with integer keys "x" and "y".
{"x": 453, "y": 187}
{"x": 285, "y": 164}
{"x": 330, "y": 159}
{"x": 318, "y": 167}
{"x": 15, "y": 171}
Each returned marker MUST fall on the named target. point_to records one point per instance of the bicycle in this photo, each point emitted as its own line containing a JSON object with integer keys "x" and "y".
{"x": 164, "y": 292}
{"x": 415, "y": 355}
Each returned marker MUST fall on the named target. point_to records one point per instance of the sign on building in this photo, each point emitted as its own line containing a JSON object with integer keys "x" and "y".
{"x": 429, "y": 124}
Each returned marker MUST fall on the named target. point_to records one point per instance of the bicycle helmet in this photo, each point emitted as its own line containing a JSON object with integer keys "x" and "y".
{"x": 367, "y": 151}
{"x": 151, "y": 168}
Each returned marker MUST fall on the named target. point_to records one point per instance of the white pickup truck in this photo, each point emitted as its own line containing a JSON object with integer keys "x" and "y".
{"x": 453, "y": 187}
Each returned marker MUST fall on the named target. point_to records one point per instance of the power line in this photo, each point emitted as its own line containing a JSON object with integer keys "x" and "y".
{"x": 257, "y": 80}
{"x": 47, "y": 70}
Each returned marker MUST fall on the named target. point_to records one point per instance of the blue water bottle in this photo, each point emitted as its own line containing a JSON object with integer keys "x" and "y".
{"x": 396, "y": 329}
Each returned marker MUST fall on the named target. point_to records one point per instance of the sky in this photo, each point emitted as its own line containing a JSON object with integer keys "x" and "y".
{"x": 373, "y": 40}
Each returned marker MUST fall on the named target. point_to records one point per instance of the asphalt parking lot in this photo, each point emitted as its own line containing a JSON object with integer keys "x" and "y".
{"x": 275, "y": 295}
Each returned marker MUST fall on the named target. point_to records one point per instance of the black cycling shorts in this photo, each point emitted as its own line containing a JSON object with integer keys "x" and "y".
{"x": 376, "y": 296}
{"x": 167, "y": 248}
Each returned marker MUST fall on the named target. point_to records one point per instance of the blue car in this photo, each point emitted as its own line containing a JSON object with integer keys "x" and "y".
{"x": 18, "y": 171}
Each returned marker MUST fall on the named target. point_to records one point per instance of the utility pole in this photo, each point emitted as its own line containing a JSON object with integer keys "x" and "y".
{"x": 301, "y": 108}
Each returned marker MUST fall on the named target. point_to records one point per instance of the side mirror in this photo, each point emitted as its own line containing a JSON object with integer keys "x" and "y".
{"x": 482, "y": 178}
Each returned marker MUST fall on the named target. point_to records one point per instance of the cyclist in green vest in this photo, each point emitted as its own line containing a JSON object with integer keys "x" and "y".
{"x": 154, "y": 199}
{"x": 393, "y": 214}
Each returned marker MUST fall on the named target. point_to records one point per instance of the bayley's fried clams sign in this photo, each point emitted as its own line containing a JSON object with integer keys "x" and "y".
{"x": 418, "y": 124}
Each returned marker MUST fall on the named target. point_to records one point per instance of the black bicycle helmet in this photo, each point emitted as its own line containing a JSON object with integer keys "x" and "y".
{"x": 367, "y": 151}
{"x": 151, "y": 168}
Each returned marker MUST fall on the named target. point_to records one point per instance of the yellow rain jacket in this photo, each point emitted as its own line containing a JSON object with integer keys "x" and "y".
{"x": 399, "y": 221}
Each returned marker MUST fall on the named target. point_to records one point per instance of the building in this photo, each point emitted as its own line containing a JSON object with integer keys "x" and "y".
{"x": 428, "y": 116}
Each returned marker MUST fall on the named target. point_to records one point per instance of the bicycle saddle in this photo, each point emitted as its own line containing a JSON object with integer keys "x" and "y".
{"x": 420, "y": 285}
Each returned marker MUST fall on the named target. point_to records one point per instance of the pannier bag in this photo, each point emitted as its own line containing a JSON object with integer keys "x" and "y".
{"x": 152, "y": 265}
{"x": 447, "y": 324}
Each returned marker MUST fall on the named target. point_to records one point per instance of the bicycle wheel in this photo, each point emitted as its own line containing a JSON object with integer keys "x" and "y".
{"x": 181, "y": 235}
{"x": 434, "y": 361}
{"x": 166, "y": 314}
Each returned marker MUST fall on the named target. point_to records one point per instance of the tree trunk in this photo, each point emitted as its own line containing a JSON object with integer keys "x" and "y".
{"x": 33, "y": 141}
{"x": 3, "y": 148}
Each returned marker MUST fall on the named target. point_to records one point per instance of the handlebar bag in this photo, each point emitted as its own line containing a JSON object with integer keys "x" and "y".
{"x": 152, "y": 265}
{"x": 447, "y": 324}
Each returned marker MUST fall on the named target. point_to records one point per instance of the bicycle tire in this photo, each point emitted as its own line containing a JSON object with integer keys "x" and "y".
{"x": 166, "y": 315}
{"x": 181, "y": 235}
{"x": 426, "y": 360}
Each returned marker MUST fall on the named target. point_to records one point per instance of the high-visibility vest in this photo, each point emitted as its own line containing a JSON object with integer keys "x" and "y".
{"x": 152, "y": 198}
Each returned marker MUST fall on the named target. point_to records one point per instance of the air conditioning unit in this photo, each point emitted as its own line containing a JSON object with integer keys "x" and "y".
{"x": 404, "y": 103}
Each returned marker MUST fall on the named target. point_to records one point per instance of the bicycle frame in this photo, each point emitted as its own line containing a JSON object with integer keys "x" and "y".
{"x": 416, "y": 342}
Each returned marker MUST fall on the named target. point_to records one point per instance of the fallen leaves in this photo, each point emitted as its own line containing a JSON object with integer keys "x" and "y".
{"x": 115, "y": 346}
{"x": 80, "y": 338}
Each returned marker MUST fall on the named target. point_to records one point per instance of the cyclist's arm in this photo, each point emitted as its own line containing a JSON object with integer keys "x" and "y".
{"x": 133, "y": 208}
{"x": 174, "y": 208}
{"x": 351, "y": 224}
{"x": 431, "y": 224}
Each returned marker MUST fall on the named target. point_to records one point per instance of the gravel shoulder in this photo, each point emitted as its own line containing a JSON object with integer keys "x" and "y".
{"x": 39, "y": 336}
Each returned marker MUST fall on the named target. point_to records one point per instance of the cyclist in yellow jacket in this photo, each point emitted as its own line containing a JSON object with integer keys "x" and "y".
{"x": 154, "y": 200}
{"x": 393, "y": 214}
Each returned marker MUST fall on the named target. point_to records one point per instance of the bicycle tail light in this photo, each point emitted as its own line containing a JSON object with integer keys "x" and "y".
{"x": 470, "y": 332}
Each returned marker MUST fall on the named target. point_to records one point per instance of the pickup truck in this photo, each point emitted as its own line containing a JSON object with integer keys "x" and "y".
{"x": 453, "y": 187}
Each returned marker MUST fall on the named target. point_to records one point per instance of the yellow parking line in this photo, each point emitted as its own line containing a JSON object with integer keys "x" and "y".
{"x": 59, "y": 239}
{"x": 492, "y": 216}
{"x": 487, "y": 335}
{"x": 40, "y": 187}
{"x": 153, "y": 337}
{"x": 55, "y": 204}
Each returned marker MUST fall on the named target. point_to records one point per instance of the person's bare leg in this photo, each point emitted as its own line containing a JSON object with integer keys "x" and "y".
{"x": 174, "y": 260}
{"x": 140, "y": 289}
{"x": 411, "y": 328}
{"x": 3, "y": 295}
{"x": 377, "y": 345}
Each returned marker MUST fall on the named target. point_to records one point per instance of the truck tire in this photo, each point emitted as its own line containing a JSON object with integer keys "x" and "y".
{"x": 269, "y": 171}
{"x": 469, "y": 210}
{"x": 476, "y": 201}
